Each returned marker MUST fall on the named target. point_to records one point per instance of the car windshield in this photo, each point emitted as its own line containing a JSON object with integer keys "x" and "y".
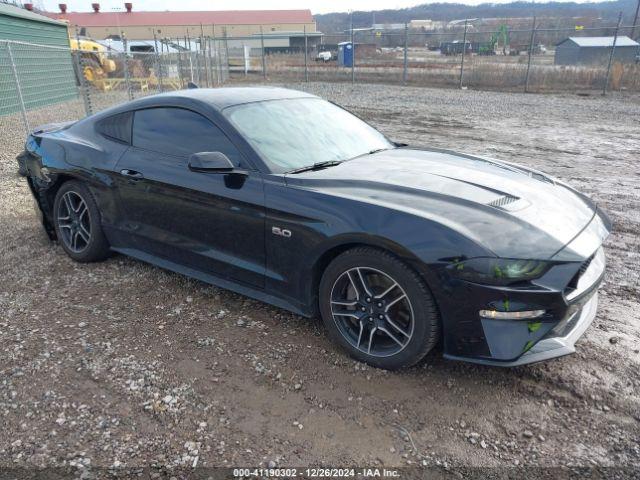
{"x": 296, "y": 133}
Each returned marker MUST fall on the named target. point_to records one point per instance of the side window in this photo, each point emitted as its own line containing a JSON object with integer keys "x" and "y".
{"x": 180, "y": 132}
{"x": 116, "y": 127}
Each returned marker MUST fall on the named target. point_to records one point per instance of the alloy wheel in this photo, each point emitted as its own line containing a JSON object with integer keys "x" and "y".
{"x": 372, "y": 311}
{"x": 74, "y": 222}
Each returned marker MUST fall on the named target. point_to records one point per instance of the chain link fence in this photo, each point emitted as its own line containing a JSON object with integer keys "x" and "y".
{"x": 33, "y": 80}
{"x": 41, "y": 84}
{"x": 526, "y": 61}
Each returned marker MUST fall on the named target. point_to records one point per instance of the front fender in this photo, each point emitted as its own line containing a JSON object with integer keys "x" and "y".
{"x": 424, "y": 245}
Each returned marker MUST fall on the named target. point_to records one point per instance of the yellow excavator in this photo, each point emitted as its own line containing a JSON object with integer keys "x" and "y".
{"x": 96, "y": 65}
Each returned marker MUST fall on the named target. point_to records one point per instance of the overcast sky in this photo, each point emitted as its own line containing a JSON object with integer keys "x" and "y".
{"x": 316, "y": 6}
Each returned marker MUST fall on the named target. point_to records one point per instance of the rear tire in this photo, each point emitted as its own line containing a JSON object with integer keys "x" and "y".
{"x": 378, "y": 309}
{"x": 77, "y": 222}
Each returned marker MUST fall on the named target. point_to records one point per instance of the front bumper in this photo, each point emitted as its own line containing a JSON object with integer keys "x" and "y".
{"x": 558, "y": 342}
{"x": 568, "y": 309}
{"x": 567, "y": 293}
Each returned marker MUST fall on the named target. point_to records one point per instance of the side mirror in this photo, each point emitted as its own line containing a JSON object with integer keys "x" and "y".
{"x": 212, "y": 162}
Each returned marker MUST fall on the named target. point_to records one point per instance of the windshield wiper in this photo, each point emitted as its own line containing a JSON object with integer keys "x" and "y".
{"x": 316, "y": 166}
{"x": 371, "y": 152}
{"x": 331, "y": 163}
{"x": 376, "y": 150}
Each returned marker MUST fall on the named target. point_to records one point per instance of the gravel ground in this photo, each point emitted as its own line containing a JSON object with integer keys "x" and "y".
{"x": 124, "y": 364}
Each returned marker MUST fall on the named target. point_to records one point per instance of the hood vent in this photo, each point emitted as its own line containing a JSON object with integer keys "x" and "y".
{"x": 502, "y": 201}
{"x": 542, "y": 178}
{"x": 509, "y": 202}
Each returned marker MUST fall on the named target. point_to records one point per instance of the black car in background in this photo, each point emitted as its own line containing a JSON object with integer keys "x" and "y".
{"x": 284, "y": 197}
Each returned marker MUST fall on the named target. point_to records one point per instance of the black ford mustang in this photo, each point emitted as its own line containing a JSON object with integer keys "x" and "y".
{"x": 287, "y": 198}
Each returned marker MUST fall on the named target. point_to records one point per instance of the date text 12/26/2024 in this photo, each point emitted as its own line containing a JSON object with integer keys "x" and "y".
{"x": 316, "y": 472}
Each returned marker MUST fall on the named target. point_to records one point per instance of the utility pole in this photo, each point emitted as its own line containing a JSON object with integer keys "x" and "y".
{"x": 635, "y": 21}
{"x": 613, "y": 50}
{"x": 533, "y": 34}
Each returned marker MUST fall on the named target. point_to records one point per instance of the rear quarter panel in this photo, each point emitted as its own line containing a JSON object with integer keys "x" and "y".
{"x": 76, "y": 153}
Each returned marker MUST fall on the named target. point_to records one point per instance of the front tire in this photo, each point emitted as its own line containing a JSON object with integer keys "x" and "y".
{"x": 378, "y": 309}
{"x": 77, "y": 223}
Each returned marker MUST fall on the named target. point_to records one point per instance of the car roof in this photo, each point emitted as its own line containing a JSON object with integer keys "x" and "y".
{"x": 223, "y": 97}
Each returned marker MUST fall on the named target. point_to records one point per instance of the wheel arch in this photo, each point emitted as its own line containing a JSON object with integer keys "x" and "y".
{"x": 342, "y": 244}
{"x": 45, "y": 197}
{"x": 87, "y": 219}
{"x": 52, "y": 191}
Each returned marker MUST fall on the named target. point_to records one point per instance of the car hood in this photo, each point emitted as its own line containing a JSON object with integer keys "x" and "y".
{"x": 509, "y": 209}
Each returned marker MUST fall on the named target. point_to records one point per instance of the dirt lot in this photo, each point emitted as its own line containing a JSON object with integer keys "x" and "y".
{"x": 124, "y": 364}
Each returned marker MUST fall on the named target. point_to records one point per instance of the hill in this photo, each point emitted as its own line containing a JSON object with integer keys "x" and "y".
{"x": 606, "y": 10}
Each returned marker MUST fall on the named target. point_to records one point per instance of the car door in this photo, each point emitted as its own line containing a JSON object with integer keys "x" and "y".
{"x": 212, "y": 222}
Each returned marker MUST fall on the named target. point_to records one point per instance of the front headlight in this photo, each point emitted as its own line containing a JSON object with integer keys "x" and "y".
{"x": 497, "y": 271}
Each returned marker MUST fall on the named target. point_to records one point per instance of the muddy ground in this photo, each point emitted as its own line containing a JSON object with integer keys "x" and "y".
{"x": 123, "y": 364}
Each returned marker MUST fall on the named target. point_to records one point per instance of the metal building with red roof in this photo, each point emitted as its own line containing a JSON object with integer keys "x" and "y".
{"x": 144, "y": 25}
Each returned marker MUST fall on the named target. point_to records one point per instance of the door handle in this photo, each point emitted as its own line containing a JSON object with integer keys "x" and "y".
{"x": 131, "y": 173}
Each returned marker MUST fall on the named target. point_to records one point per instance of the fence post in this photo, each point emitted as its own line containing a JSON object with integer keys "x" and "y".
{"x": 187, "y": 44}
{"x": 201, "y": 64}
{"x": 635, "y": 21}
{"x": 264, "y": 63}
{"x": 216, "y": 45}
{"x": 198, "y": 65}
{"x": 203, "y": 49}
{"x": 533, "y": 33}
{"x": 306, "y": 52}
{"x": 219, "y": 53}
{"x": 211, "y": 67}
{"x": 84, "y": 88}
{"x": 179, "y": 54}
{"x": 633, "y": 28}
{"x": 405, "y": 59}
{"x": 125, "y": 64}
{"x": 157, "y": 61}
{"x": 193, "y": 75}
{"x": 353, "y": 53}
{"x": 207, "y": 61}
{"x": 226, "y": 53}
{"x": 216, "y": 53}
{"x": 14, "y": 70}
{"x": 613, "y": 49}
{"x": 464, "y": 49}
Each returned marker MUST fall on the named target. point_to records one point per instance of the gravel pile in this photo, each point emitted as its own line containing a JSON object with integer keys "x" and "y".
{"x": 120, "y": 364}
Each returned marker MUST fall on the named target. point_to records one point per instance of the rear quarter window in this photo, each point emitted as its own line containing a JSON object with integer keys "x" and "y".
{"x": 116, "y": 127}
